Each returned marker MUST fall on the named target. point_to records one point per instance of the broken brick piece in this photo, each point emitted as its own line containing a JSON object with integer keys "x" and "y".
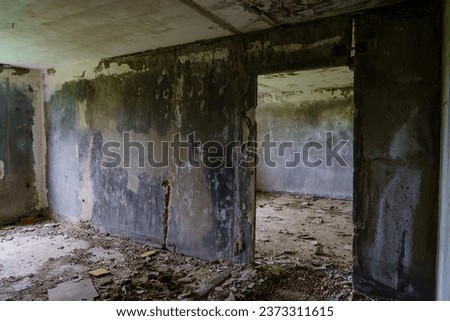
{"x": 27, "y": 220}
{"x": 99, "y": 272}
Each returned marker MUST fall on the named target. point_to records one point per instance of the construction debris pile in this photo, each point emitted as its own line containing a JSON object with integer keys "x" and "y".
{"x": 61, "y": 261}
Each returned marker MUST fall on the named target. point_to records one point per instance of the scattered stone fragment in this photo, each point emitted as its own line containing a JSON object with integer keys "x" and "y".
{"x": 186, "y": 280}
{"x": 318, "y": 249}
{"x": 205, "y": 288}
{"x": 276, "y": 270}
{"x": 106, "y": 282}
{"x": 348, "y": 247}
{"x": 9, "y": 238}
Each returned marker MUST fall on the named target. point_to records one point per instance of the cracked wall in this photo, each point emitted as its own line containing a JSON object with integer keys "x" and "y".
{"x": 22, "y": 144}
{"x": 208, "y": 89}
{"x": 199, "y": 91}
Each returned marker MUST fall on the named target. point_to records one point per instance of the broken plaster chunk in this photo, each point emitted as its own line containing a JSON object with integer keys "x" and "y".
{"x": 99, "y": 272}
{"x": 149, "y": 253}
{"x": 6, "y": 228}
{"x": 205, "y": 288}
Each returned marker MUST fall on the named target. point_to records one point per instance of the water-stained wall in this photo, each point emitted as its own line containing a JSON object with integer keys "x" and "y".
{"x": 204, "y": 91}
{"x": 397, "y": 128}
{"x": 207, "y": 92}
{"x": 22, "y": 170}
{"x": 316, "y": 129}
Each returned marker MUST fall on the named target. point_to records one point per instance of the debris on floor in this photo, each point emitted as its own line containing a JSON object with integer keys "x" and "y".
{"x": 59, "y": 257}
{"x": 27, "y": 221}
{"x": 99, "y": 272}
{"x": 148, "y": 253}
{"x": 304, "y": 227}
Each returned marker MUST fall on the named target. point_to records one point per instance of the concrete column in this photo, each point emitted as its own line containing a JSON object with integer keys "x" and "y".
{"x": 397, "y": 151}
{"x": 443, "y": 265}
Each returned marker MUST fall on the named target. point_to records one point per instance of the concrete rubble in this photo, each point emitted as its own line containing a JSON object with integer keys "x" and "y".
{"x": 161, "y": 275}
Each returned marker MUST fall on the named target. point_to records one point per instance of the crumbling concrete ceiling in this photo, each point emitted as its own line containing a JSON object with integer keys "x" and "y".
{"x": 39, "y": 33}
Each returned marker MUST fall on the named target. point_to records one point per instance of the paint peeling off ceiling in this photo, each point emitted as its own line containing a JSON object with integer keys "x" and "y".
{"x": 306, "y": 80}
{"x": 39, "y": 33}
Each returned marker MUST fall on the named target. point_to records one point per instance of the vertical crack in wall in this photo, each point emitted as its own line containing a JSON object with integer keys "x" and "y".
{"x": 166, "y": 186}
{"x": 401, "y": 277}
{"x": 249, "y": 135}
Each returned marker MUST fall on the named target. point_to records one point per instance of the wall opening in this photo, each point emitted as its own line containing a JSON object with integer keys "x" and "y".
{"x": 304, "y": 180}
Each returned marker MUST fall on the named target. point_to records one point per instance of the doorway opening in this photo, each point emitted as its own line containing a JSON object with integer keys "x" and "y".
{"x": 304, "y": 180}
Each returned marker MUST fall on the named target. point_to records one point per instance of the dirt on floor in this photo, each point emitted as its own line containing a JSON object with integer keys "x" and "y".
{"x": 304, "y": 227}
{"x": 39, "y": 257}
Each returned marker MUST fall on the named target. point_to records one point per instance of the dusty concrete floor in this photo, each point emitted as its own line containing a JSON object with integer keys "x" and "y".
{"x": 304, "y": 227}
{"x": 38, "y": 257}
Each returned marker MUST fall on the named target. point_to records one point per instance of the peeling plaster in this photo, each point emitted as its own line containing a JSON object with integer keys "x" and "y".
{"x": 65, "y": 72}
{"x": 205, "y": 56}
{"x": 82, "y": 106}
{"x": 2, "y": 169}
{"x": 133, "y": 182}
{"x": 289, "y": 48}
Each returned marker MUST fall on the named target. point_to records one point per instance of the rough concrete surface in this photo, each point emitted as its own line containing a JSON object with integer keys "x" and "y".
{"x": 42, "y": 33}
{"x": 304, "y": 227}
{"x": 301, "y": 118}
{"x": 22, "y": 151}
{"x": 162, "y": 275}
{"x": 204, "y": 90}
{"x": 209, "y": 90}
{"x": 397, "y": 135}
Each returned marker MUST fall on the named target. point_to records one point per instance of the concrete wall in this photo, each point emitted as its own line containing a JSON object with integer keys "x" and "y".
{"x": 443, "y": 288}
{"x": 208, "y": 89}
{"x": 302, "y": 117}
{"x": 22, "y": 161}
{"x": 397, "y": 128}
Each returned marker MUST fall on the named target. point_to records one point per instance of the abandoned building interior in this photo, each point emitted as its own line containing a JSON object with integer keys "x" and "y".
{"x": 224, "y": 150}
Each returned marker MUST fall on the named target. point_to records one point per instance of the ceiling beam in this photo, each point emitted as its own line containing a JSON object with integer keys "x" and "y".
{"x": 253, "y": 7}
{"x": 278, "y": 12}
{"x": 338, "y": 7}
{"x": 211, "y": 16}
